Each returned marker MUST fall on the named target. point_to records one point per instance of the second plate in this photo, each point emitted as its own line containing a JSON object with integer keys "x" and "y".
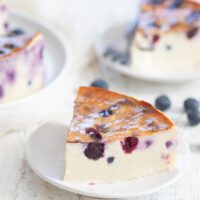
{"x": 111, "y": 36}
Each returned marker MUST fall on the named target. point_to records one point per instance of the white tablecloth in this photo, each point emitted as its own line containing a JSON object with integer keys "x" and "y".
{"x": 81, "y": 21}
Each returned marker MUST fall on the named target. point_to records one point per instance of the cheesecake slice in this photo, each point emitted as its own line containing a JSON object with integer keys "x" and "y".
{"x": 167, "y": 38}
{"x": 22, "y": 68}
{"x": 115, "y": 138}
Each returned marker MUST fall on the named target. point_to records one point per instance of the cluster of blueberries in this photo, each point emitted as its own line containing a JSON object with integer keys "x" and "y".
{"x": 191, "y": 108}
{"x": 191, "y": 105}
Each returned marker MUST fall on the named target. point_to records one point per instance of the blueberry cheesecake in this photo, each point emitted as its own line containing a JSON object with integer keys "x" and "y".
{"x": 115, "y": 138}
{"x": 167, "y": 37}
{"x": 21, "y": 65}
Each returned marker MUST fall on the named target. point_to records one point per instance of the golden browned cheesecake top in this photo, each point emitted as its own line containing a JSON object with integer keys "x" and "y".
{"x": 164, "y": 16}
{"x": 112, "y": 116}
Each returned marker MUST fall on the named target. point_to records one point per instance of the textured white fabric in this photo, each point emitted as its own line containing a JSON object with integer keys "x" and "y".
{"x": 81, "y": 21}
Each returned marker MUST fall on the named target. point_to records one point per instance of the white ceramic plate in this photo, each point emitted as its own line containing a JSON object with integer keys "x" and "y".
{"x": 37, "y": 107}
{"x": 46, "y": 152}
{"x": 111, "y": 36}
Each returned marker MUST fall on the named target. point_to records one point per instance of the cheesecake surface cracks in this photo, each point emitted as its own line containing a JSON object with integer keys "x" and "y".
{"x": 110, "y": 116}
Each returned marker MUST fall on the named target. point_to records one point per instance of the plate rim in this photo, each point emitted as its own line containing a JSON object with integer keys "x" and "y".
{"x": 66, "y": 64}
{"x": 67, "y": 187}
{"x": 124, "y": 69}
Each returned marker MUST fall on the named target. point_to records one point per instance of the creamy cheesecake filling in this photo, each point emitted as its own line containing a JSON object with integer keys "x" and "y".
{"x": 162, "y": 53}
{"x": 151, "y": 155}
{"x": 167, "y": 38}
{"x": 21, "y": 66}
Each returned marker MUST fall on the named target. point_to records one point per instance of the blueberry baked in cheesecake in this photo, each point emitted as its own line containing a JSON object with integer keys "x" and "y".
{"x": 115, "y": 138}
{"x": 21, "y": 65}
{"x": 167, "y": 37}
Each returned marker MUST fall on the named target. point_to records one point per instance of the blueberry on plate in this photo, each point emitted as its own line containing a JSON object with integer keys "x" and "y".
{"x": 163, "y": 102}
{"x": 194, "y": 118}
{"x": 191, "y": 105}
{"x": 108, "y": 51}
{"x": 99, "y": 83}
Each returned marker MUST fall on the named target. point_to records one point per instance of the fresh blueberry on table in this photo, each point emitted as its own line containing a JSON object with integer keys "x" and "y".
{"x": 191, "y": 105}
{"x": 100, "y": 83}
{"x": 163, "y": 103}
{"x": 194, "y": 118}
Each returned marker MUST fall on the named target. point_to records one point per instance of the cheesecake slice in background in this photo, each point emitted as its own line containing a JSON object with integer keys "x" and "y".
{"x": 21, "y": 66}
{"x": 115, "y": 138}
{"x": 167, "y": 39}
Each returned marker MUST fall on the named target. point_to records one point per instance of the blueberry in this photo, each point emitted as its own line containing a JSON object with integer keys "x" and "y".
{"x": 6, "y": 25}
{"x": 100, "y": 83}
{"x": 125, "y": 59}
{"x": 10, "y": 46}
{"x": 168, "y": 144}
{"x": 1, "y": 91}
{"x": 108, "y": 51}
{"x": 163, "y": 102}
{"x": 116, "y": 57}
{"x": 109, "y": 111}
{"x": 129, "y": 144}
{"x": 148, "y": 143}
{"x": 29, "y": 83}
{"x": 176, "y": 4}
{"x": 154, "y": 24}
{"x": 2, "y": 51}
{"x": 191, "y": 105}
{"x": 168, "y": 47}
{"x": 93, "y": 133}
{"x": 192, "y": 32}
{"x": 94, "y": 150}
{"x": 110, "y": 159}
{"x": 11, "y": 75}
{"x": 106, "y": 113}
{"x": 15, "y": 32}
{"x": 156, "y": 1}
{"x": 155, "y": 38}
{"x": 195, "y": 15}
{"x": 194, "y": 118}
